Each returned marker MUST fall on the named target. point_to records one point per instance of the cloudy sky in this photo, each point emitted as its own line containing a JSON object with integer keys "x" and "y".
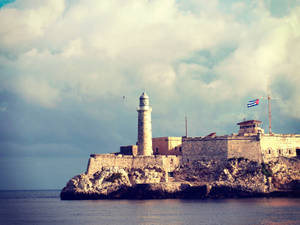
{"x": 65, "y": 66}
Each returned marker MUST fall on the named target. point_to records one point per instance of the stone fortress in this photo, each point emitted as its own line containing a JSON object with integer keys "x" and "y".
{"x": 170, "y": 153}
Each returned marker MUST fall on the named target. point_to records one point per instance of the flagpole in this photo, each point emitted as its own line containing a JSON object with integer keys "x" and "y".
{"x": 269, "y": 98}
{"x": 186, "y": 131}
{"x": 270, "y": 114}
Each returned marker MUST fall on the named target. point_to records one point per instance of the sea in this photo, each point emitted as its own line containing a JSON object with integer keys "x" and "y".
{"x": 45, "y": 207}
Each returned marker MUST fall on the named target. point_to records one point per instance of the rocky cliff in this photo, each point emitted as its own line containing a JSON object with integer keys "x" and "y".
{"x": 204, "y": 179}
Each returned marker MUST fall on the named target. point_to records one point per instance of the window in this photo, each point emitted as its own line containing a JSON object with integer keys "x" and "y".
{"x": 279, "y": 151}
{"x": 171, "y": 174}
{"x": 180, "y": 149}
{"x": 298, "y": 152}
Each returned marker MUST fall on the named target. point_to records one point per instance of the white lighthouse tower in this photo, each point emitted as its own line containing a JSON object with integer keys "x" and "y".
{"x": 144, "y": 126}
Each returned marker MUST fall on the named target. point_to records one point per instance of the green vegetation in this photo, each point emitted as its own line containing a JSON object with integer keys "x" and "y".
{"x": 266, "y": 170}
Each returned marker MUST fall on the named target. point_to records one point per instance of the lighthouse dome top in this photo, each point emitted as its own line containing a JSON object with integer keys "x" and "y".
{"x": 144, "y": 101}
{"x": 144, "y": 95}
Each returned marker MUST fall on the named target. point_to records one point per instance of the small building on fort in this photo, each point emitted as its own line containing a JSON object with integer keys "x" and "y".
{"x": 167, "y": 145}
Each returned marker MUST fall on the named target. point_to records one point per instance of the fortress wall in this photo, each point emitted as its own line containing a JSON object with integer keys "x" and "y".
{"x": 108, "y": 160}
{"x": 221, "y": 148}
{"x": 97, "y": 162}
{"x": 171, "y": 162}
{"x": 204, "y": 149}
{"x": 244, "y": 147}
{"x": 146, "y": 161}
{"x": 279, "y": 145}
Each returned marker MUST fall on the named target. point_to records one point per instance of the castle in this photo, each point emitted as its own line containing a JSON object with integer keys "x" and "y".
{"x": 170, "y": 152}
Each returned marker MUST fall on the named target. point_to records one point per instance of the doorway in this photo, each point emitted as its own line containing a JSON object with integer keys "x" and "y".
{"x": 298, "y": 152}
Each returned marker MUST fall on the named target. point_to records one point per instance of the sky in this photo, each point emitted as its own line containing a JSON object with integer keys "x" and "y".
{"x": 65, "y": 66}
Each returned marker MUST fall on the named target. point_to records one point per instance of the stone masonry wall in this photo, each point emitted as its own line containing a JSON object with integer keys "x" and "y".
{"x": 279, "y": 145}
{"x": 204, "y": 149}
{"x": 244, "y": 147}
{"x": 97, "y": 162}
{"x": 258, "y": 148}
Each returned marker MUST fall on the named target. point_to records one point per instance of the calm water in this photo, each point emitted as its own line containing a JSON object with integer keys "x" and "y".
{"x": 45, "y": 207}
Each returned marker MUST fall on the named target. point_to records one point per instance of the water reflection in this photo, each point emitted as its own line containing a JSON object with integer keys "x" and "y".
{"x": 177, "y": 212}
{"x": 37, "y": 208}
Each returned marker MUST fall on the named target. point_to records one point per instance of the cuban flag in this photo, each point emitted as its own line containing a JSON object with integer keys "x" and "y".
{"x": 252, "y": 103}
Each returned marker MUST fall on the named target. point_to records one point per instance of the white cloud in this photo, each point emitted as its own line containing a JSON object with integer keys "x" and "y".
{"x": 158, "y": 74}
{"x": 20, "y": 27}
{"x": 38, "y": 91}
{"x": 92, "y": 49}
{"x": 238, "y": 7}
{"x": 74, "y": 48}
{"x": 260, "y": 54}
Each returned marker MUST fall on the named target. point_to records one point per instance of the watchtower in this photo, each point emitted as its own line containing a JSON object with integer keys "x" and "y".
{"x": 250, "y": 127}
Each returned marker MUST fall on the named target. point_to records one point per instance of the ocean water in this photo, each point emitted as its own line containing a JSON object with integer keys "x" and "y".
{"x": 45, "y": 207}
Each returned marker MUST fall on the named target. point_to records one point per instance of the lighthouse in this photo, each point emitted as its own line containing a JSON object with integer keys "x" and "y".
{"x": 144, "y": 126}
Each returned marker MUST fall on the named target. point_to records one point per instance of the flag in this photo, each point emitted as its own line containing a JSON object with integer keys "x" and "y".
{"x": 253, "y": 103}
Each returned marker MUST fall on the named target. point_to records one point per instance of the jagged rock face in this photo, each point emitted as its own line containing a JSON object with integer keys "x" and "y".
{"x": 102, "y": 183}
{"x": 204, "y": 179}
{"x": 199, "y": 171}
{"x": 285, "y": 174}
{"x": 110, "y": 180}
{"x": 146, "y": 175}
{"x": 242, "y": 173}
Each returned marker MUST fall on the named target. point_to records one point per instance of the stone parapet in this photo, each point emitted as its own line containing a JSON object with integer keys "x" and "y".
{"x": 99, "y": 161}
{"x": 281, "y": 135}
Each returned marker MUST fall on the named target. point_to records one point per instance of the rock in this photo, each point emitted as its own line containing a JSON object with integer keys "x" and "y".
{"x": 233, "y": 178}
{"x": 102, "y": 183}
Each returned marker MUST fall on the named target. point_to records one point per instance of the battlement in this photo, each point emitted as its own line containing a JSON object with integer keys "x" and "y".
{"x": 282, "y": 135}
{"x": 224, "y": 137}
{"x": 168, "y": 163}
{"x": 257, "y": 147}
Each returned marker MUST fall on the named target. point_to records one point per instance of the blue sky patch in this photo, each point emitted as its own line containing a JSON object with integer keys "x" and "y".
{"x": 4, "y": 2}
{"x": 208, "y": 58}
